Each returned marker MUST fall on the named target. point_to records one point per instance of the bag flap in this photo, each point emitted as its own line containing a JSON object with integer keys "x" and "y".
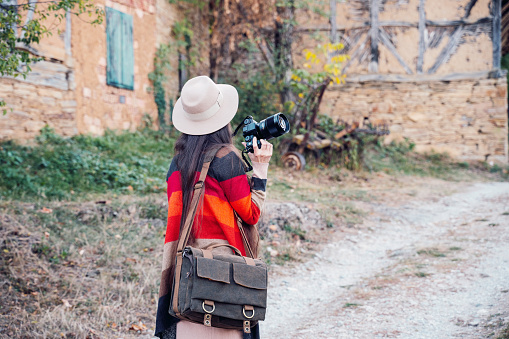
{"x": 250, "y": 276}
{"x": 213, "y": 269}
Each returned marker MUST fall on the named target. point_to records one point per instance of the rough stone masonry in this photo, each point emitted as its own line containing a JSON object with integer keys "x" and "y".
{"x": 465, "y": 118}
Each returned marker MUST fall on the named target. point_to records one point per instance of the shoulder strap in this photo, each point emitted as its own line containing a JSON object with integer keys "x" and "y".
{"x": 247, "y": 247}
{"x": 199, "y": 187}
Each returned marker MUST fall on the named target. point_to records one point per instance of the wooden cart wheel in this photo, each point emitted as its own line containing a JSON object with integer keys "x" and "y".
{"x": 294, "y": 161}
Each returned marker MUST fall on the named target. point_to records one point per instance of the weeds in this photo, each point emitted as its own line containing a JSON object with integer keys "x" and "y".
{"x": 59, "y": 168}
{"x": 80, "y": 267}
{"x": 433, "y": 252}
{"x": 421, "y": 274}
{"x": 347, "y": 305}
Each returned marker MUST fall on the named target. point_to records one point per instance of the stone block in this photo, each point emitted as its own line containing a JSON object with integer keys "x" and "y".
{"x": 18, "y": 115}
{"x": 496, "y": 110}
{"x": 47, "y": 92}
{"x": 70, "y": 110}
{"x": 87, "y": 92}
{"x": 417, "y": 117}
{"x": 33, "y": 126}
{"x": 68, "y": 103}
{"x": 47, "y": 101}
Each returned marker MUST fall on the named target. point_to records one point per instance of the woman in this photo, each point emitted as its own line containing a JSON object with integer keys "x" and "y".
{"x": 203, "y": 114}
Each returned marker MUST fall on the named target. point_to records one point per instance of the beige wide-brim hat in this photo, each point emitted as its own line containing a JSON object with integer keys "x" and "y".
{"x": 204, "y": 106}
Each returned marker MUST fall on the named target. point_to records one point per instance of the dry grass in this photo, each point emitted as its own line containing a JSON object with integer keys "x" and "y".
{"x": 80, "y": 270}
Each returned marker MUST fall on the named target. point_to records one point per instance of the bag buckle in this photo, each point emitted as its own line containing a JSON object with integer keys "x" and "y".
{"x": 198, "y": 185}
{"x": 209, "y": 303}
{"x": 248, "y": 308}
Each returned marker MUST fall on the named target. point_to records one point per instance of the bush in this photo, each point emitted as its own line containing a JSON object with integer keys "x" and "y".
{"x": 257, "y": 97}
{"x": 58, "y": 168}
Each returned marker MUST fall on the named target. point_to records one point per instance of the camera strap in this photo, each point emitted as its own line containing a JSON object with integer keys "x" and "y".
{"x": 249, "y": 167}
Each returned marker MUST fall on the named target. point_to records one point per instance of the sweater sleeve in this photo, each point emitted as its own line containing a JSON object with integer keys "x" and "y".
{"x": 245, "y": 197}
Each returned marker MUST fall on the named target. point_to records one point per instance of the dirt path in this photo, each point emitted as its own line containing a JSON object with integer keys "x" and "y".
{"x": 432, "y": 268}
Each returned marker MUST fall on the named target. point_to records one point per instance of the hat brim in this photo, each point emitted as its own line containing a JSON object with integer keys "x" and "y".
{"x": 220, "y": 119}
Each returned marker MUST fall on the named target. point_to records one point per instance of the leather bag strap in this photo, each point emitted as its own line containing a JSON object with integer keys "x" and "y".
{"x": 247, "y": 247}
{"x": 198, "y": 190}
{"x": 199, "y": 187}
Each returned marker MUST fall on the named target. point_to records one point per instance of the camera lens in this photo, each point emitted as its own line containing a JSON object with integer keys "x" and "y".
{"x": 274, "y": 126}
{"x": 281, "y": 123}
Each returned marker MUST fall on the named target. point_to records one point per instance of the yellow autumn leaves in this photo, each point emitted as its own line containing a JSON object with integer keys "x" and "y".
{"x": 333, "y": 68}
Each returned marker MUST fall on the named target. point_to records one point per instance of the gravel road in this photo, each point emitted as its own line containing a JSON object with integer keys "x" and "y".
{"x": 432, "y": 268}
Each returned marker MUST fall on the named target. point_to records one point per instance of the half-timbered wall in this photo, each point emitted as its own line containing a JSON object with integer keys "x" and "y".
{"x": 430, "y": 68}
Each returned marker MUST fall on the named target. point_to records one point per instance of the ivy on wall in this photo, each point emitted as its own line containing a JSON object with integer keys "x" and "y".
{"x": 182, "y": 49}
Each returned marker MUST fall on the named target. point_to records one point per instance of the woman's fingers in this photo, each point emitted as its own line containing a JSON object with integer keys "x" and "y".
{"x": 263, "y": 153}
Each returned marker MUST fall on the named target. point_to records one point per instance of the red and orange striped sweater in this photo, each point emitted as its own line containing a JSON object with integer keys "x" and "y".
{"x": 227, "y": 190}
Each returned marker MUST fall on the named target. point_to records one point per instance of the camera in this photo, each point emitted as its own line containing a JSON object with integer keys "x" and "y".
{"x": 272, "y": 127}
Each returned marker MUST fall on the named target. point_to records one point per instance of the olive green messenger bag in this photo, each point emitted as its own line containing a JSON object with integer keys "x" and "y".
{"x": 218, "y": 290}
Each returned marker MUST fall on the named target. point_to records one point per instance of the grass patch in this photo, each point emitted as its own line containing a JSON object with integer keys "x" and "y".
{"x": 77, "y": 268}
{"x": 455, "y": 248}
{"x": 397, "y": 158}
{"x": 58, "y": 168}
{"x": 432, "y": 252}
{"x": 504, "y": 334}
{"x": 421, "y": 274}
{"x": 347, "y": 305}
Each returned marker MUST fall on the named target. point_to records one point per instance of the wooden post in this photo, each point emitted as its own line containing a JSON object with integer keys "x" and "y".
{"x": 373, "y": 34}
{"x": 496, "y": 14}
{"x": 67, "y": 34}
{"x": 422, "y": 31}
{"x": 333, "y": 23}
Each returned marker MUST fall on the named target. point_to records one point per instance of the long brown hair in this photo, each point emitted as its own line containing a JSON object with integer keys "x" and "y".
{"x": 191, "y": 150}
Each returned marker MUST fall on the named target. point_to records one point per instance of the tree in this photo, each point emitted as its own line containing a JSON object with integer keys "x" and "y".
{"x": 24, "y": 24}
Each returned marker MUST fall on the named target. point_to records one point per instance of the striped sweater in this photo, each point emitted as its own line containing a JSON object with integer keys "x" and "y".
{"x": 228, "y": 190}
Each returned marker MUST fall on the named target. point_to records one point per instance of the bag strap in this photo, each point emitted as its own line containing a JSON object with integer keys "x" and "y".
{"x": 198, "y": 189}
{"x": 247, "y": 247}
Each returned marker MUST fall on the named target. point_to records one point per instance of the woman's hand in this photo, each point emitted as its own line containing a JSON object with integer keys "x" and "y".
{"x": 263, "y": 154}
{"x": 260, "y": 158}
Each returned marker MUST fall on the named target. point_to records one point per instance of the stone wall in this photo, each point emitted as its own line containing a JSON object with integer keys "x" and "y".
{"x": 33, "y": 107}
{"x": 101, "y": 106}
{"x": 465, "y": 118}
{"x": 68, "y": 91}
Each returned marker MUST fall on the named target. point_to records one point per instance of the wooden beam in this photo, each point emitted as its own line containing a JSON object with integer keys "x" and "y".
{"x": 496, "y": 32}
{"x": 446, "y": 53}
{"x": 468, "y": 8}
{"x": 356, "y": 54}
{"x": 67, "y": 34}
{"x": 374, "y": 36}
{"x": 333, "y": 23}
{"x": 386, "y": 40}
{"x": 395, "y": 24}
{"x": 422, "y": 31}
{"x": 402, "y": 78}
{"x": 463, "y": 22}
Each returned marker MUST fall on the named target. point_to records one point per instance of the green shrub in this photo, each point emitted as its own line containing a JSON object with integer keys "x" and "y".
{"x": 258, "y": 97}
{"x": 59, "y": 168}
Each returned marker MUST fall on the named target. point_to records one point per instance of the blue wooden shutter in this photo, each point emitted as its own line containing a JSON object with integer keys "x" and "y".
{"x": 120, "y": 51}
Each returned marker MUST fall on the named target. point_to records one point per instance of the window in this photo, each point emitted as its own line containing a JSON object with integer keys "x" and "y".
{"x": 120, "y": 52}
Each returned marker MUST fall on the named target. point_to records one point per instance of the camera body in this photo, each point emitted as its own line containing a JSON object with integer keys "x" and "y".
{"x": 272, "y": 127}
{"x": 249, "y": 131}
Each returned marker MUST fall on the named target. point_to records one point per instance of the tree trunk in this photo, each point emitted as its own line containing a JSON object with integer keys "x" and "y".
{"x": 214, "y": 37}
{"x": 283, "y": 38}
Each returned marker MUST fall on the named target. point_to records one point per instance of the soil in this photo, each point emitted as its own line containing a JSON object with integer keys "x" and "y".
{"x": 429, "y": 260}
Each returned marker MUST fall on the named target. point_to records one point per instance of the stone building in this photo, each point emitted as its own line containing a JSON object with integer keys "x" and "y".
{"x": 429, "y": 68}
{"x": 94, "y": 78}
